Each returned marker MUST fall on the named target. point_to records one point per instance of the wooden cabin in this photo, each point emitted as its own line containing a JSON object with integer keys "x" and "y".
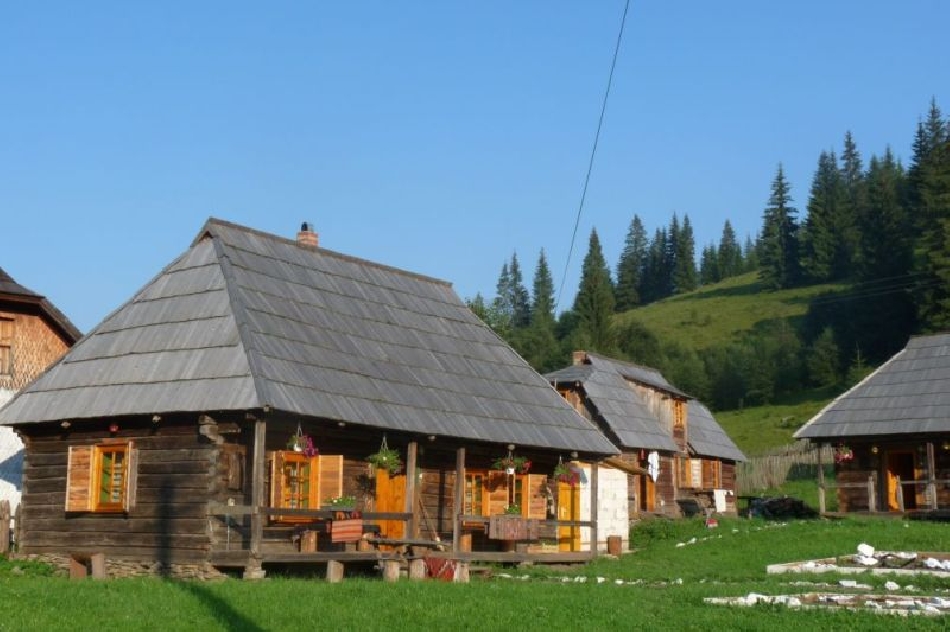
{"x": 224, "y": 415}
{"x": 890, "y": 434}
{"x": 33, "y": 335}
{"x": 679, "y": 460}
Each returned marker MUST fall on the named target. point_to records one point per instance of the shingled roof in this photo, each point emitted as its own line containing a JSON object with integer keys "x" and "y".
{"x": 246, "y": 320}
{"x": 910, "y": 393}
{"x": 624, "y": 412}
{"x": 605, "y": 382}
{"x": 12, "y": 291}
{"x": 706, "y": 437}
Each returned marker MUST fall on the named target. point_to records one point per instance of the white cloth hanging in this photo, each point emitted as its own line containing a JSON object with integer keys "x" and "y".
{"x": 653, "y": 465}
{"x": 719, "y": 499}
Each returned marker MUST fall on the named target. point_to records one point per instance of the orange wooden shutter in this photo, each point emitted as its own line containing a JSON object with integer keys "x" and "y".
{"x": 329, "y": 482}
{"x": 79, "y": 477}
{"x": 497, "y": 491}
{"x": 536, "y": 505}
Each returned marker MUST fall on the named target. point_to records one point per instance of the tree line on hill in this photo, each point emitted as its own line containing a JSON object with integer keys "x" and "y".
{"x": 882, "y": 231}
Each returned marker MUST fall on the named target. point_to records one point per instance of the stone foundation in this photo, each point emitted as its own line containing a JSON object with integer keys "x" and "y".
{"x": 130, "y": 568}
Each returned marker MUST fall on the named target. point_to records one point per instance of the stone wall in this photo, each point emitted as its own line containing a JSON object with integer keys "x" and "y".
{"x": 129, "y": 568}
{"x": 612, "y": 509}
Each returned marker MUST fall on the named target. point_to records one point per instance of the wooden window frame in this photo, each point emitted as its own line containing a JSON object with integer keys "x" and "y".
{"x": 324, "y": 480}
{"x": 495, "y": 494}
{"x": 85, "y": 478}
{"x": 7, "y": 333}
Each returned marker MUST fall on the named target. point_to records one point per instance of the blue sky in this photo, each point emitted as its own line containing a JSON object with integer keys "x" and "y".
{"x": 439, "y": 137}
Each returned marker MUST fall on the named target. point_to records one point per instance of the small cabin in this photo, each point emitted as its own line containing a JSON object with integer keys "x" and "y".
{"x": 890, "y": 434}
{"x": 682, "y": 461}
{"x": 267, "y": 401}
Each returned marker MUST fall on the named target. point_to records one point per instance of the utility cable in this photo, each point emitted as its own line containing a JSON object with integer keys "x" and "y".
{"x": 593, "y": 152}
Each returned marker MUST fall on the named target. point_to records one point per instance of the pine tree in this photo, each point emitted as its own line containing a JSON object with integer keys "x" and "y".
{"x": 709, "y": 263}
{"x": 537, "y": 343}
{"x": 854, "y": 200}
{"x": 779, "y": 257}
{"x": 821, "y": 240}
{"x": 594, "y": 304}
{"x": 519, "y": 299}
{"x": 729, "y": 253}
{"x": 501, "y": 306}
{"x": 630, "y": 266}
{"x": 750, "y": 254}
{"x": 930, "y": 192}
{"x": 684, "y": 260}
{"x": 885, "y": 251}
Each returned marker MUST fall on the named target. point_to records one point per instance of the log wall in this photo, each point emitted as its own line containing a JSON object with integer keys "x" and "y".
{"x": 176, "y": 471}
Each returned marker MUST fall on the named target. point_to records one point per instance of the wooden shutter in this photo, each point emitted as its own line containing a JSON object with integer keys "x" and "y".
{"x": 79, "y": 478}
{"x": 131, "y": 477}
{"x": 329, "y": 482}
{"x": 536, "y": 505}
{"x": 496, "y": 491}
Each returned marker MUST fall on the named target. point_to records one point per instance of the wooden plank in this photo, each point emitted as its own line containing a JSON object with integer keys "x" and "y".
{"x": 110, "y": 523}
{"x": 821, "y": 484}
{"x": 412, "y": 525}
{"x": 931, "y": 476}
{"x": 4, "y": 526}
{"x": 117, "y": 540}
{"x": 459, "y": 494}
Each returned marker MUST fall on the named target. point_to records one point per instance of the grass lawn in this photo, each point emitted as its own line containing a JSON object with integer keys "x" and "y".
{"x": 673, "y": 580}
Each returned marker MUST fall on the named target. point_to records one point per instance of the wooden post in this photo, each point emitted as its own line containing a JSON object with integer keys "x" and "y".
{"x": 390, "y": 570}
{"x": 821, "y": 484}
{"x": 4, "y": 526}
{"x": 417, "y": 569}
{"x": 594, "y": 509}
{"x": 18, "y": 526}
{"x": 931, "y": 477}
{"x": 412, "y": 525}
{"x": 254, "y": 569}
{"x": 459, "y": 494}
{"x": 900, "y": 494}
{"x": 97, "y": 563}
{"x": 334, "y": 572}
{"x": 872, "y": 495}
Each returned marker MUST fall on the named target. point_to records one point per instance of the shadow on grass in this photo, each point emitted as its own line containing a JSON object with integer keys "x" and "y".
{"x": 219, "y": 608}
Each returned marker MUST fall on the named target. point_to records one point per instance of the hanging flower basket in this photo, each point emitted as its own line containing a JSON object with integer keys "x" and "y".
{"x": 512, "y": 464}
{"x": 386, "y": 458}
{"x": 299, "y": 442}
{"x": 843, "y": 454}
{"x": 566, "y": 473}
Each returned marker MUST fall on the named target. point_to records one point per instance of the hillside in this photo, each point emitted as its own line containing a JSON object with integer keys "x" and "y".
{"x": 715, "y": 315}
{"x": 718, "y": 315}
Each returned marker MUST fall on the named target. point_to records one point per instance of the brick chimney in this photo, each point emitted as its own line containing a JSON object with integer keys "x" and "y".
{"x": 579, "y": 357}
{"x": 307, "y": 237}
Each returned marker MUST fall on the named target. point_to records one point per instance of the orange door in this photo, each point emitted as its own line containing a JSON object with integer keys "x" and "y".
{"x": 568, "y": 508}
{"x": 390, "y": 497}
{"x": 647, "y": 500}
{"x": 900, "y": 463}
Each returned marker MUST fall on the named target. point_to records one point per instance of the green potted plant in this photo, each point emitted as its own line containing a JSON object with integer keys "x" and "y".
{"x": 513, "y": 510}
{"x": 386, "y": 458}
{"x": 340, "y": 503}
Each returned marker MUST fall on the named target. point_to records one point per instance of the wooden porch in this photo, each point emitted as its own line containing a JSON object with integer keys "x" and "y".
{"x": 255, "y": 534}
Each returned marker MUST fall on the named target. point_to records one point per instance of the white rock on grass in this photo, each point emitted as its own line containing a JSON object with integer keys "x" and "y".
{"x": 892, "y": 586}
{"x": 866, "y": 550}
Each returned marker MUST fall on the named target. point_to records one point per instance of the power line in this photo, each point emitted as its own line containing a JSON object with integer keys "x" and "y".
{"x": 593, "y": 152}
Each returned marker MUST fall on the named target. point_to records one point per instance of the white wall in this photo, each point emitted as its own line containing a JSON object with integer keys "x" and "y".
{"x": 11, "y": 460}
{"x": 612, "y": 510}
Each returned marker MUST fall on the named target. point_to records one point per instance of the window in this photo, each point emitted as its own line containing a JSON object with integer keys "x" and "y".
{"x": 679, "y": 414}
{"x": 101, "y": 478}
{"x": 6, "y": 345}
{"x": 490, "y": 492}
{"x": 700, "y": 473}
{"x": 302, "y": 482}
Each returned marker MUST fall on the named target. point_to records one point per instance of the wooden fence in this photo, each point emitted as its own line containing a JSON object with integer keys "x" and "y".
{"x": 797, "y": 461}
